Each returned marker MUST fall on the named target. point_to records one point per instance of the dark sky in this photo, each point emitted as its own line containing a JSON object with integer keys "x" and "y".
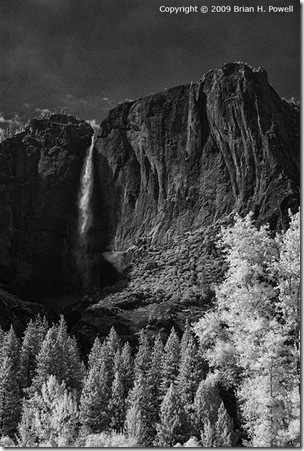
{"x": 87, "y": 55}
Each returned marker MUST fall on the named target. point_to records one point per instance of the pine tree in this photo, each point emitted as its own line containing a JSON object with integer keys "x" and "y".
{"x": 135, "y": 427}
{"x": 94, "y": 400}
{"x": 58, "y": 356}
{"x": 31, "y": 344}
{"x": 173, "y": 425}
{"x": 189, "y": 374}
{"x": 95, "y": 356}
{"x": 117, "y": 405}
{"x": 10, "y": 395}
{"x": 223, "y": 429}
{"x": 11, "y": 348}
{"x": 47, "y": 361}
{"x": 142, "y": 360}
{"x": 113, "y": 342}
{"x": 10, "y": 399}
{"x": 139, "y": 422}
{"x": 154, "y": 378}
{"x": 187, "y": 336}
{"x": 71, "y": 367}
{"x": 127, "y": 368}
{"x": 109, "y": 349}
{"x": 207, "y": 435}
{"x": 170, "y": 361}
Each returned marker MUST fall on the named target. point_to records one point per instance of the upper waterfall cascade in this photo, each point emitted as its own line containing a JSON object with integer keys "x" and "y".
{"x": 87, "y": 179}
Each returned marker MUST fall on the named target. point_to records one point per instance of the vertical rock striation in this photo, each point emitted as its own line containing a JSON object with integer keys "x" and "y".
{"x": 183, "y": 158}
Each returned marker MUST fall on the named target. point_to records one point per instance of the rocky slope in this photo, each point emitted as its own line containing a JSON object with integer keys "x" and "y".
{"x": 168, "y": 170}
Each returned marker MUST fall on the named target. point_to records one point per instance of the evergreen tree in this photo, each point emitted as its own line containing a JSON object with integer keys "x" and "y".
{"x": 223, "y": 429}
{"x": 190, "y": 371}
{"x": 117, "y": 362}
{"x": 117, "y": 405}
{"x": 135, "y": 426}
{"x": 95, "y": 356}
{"x": 139, "y": 422}
{"x": 58, "y": 356}
{"x": 94, "y": 400}
{"x": 154, "y": 378}
{"x": 11, "y": 348}
{"x": 173, "y": 426}
{"x": 47, "y": 361}
{"x": 103, "y": 390}
{"x": 207, "y": 435}
{"x": 31, "y": 344}
{"x": 113, "y": 342}
{"x": 110, "y": 348}
{"x": 126, "y": 368}
{"x": 10, "y": 395}
{"x": 10, "y": 399}
{"x": 72, "y": 370}
{"x": 187, "y": 336}
{"x": 142, "y": 360}
{"x": 170, "y": 362}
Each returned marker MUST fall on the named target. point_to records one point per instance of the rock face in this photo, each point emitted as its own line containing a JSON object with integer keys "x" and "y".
{"x": 183, "y": 158}
{"x": 40, "y": 171}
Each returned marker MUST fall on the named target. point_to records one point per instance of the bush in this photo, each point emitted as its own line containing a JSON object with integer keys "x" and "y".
{"x": 7, "y": 442}
{"x": 192, "y": 443}
{"x": 112, "y": 440}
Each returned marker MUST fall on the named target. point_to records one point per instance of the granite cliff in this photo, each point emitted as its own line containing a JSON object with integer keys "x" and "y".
{"x": 184, "y": 158}
{"x": 39, "y": 178}
{"x": 168, "y": 170}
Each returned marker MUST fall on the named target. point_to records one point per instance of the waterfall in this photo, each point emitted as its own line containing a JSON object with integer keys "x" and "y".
{"x": 85, "y": 208}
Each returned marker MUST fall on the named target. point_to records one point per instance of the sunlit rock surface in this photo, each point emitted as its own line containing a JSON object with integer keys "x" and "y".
{"x": 183, "y": 158}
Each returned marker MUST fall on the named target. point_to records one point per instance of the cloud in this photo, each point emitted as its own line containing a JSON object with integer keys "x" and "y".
{"x": 15, "y": 120}
{"x": 93, "y": 124}
{"x": 44, "y": 111}
{"x": 10, "y": 124}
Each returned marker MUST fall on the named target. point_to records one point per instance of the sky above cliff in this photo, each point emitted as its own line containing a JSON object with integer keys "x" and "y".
{"x": 85, "y": 56}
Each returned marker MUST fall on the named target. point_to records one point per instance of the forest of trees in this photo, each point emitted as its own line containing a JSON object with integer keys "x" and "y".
{"x": 231, "y": 379}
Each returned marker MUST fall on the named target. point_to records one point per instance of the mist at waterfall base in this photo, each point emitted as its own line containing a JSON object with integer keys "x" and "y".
{"x": 94, "y": 269}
